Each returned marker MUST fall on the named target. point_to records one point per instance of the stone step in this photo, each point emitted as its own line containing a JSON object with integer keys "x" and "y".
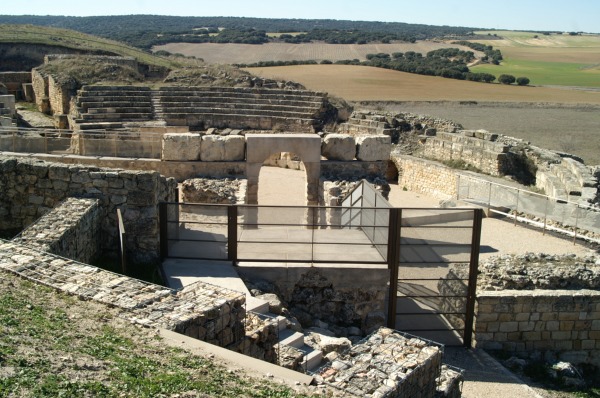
{"x": 137, "y": 109}
{"x": 238, "y": 105}
{"x": 89, "y": 88}
{"x": 253, "y": 90}
{"x": 241, "y": 96}
{"x": 115, "y": 104}
{"x": 132, "y": 99}
{"x": 98, "y": 125}
{"x": 312, "y": 360}
{"x": 292, "y": 338}
{"x": 240, "y": 99}
{"x": 115, "y": 117}
{"x": 256, "y": 305}
{"x": 237, "y": 111}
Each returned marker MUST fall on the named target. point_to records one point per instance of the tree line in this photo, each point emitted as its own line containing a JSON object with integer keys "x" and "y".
{"x": 145, "y": 31}
{"x": 446, "y": 62}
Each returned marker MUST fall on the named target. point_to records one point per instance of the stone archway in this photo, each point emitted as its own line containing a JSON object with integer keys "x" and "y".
{"x": 260, "y": 146}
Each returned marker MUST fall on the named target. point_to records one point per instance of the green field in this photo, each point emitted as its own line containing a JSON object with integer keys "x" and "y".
{"x": 561, "y": 60}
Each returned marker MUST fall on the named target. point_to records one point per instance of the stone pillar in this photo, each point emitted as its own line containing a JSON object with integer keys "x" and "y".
{"x": 313, "y": 172}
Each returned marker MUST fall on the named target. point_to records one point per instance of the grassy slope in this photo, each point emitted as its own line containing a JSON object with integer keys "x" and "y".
{"x": 361, "y": 83}
{"x": 548, "y": 60}
{"x": 76, "y": 40}
{"x": 56, "y": 345}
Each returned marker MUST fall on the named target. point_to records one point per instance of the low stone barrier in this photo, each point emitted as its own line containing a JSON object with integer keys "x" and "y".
{"x": 206, "y": 312}
{"x": 70, "y": 230}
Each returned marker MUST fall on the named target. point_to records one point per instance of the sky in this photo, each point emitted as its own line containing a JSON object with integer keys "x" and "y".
{"x": 549, "y": 15}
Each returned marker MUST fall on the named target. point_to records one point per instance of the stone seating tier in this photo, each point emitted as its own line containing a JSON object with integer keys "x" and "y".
{"x": 470, "y": 141}
{"x": 132, "y": 109}
{"x": 240, "y": 90}
{"x": 307, "y": 113}
{"x": 251, "y": 122}
{"x": 115, "y": 117}
{"x": 175, "y": 101}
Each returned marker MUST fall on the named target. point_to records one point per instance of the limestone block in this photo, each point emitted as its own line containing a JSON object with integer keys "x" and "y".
{"x": 338, "y": 147}
{"x": 373, "y": 148}
{"x": 181, "y": 146}
{"x": 217, "y": 148}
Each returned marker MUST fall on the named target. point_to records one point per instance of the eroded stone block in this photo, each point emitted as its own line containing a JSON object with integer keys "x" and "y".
{"x": 181, "y": 146}
{"x": 222, "y": 148}
{"x": 338, "y": 147}
{"x": 373, "y": 148}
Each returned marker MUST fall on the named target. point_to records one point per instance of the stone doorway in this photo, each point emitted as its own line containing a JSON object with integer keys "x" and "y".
{"x": 260, "y": 147}
{"x": 282, "y": 181}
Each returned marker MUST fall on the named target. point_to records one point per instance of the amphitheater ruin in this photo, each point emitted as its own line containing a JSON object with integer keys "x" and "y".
{"x": 169, "y": 177}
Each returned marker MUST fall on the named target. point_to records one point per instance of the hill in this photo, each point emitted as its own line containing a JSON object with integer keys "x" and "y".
{"x": 47, "y": 36}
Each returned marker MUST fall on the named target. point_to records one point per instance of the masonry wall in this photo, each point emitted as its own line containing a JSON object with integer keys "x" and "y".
{"x": 59, "y": 95}
{"x": 30, "y": 188}
{"x": 40, "y": 89}
{"x": 70, "y": 230}
{"x": 558, "y": 324}
{"x": 426, "y": 177}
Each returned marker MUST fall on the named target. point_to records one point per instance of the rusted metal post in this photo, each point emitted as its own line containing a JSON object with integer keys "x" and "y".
{"x": 473, "y": 270}
{"x": 164, "y": 230}
{"x": 393, "y": 259}
{"x": 232, "y": 238}
{"x": 122, "y": 238}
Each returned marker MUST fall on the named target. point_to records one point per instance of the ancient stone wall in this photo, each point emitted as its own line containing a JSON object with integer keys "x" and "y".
{"x": 532, "y": 305}
{"x": 15, "y": 81}
{"x": 70, "y": 230}
{"x": 343, "y": 297}
{"x": 476, "y": 148}
{"x": 59, "y": 96}
{"x": 552, "y": 324}
{"x": 29, "y": 188}
{"x": 40, "y": 85}
{"x": 426, "y": 177}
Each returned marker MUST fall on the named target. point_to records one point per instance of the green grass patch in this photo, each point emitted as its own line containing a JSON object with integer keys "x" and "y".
{"x": 55, "y": 345}
{"x": 545, "y": 73}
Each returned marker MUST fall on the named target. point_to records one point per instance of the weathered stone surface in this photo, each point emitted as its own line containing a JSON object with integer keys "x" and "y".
{"x": 326, "y": 343}
{"x": 212, "y": 190}
{"x": 373, "y": 148}
{"x": 338, "y": 147}
{"x": 181, "y": 146}
{"x": 222, "y": 148}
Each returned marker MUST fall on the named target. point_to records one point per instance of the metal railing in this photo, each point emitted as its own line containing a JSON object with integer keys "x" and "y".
{"x": 126, "y": 144}
{"x": 542, "y": 211}
{"x": 292, "y": 234}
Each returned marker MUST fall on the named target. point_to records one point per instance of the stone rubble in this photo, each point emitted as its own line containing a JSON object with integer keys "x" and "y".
{"x": 385, "y": 364}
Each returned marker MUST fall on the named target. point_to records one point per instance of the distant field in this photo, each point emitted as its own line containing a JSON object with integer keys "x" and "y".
{"x": 547, "y": 60}
{"x": 232, "y": 53}
{"x": 564, "y": 120}
{"x": 362, "y": 83}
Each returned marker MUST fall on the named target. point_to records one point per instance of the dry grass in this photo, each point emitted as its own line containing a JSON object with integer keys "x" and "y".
{"x": 248, "y": 53}
{"x": 361, "y": 83}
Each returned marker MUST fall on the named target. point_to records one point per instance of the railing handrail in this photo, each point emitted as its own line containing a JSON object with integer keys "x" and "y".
{"x": 547, "y": 197}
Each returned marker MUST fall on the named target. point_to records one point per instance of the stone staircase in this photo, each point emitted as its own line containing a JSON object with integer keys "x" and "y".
{"x": 568, "y": 180}
{"x": 361, "y": 124}
{"x": 108, "y": 107}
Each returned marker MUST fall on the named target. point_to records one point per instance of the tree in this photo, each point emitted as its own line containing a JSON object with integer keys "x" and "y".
{"x": 506, "y": 79}
{"x": 522, "y": 81}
